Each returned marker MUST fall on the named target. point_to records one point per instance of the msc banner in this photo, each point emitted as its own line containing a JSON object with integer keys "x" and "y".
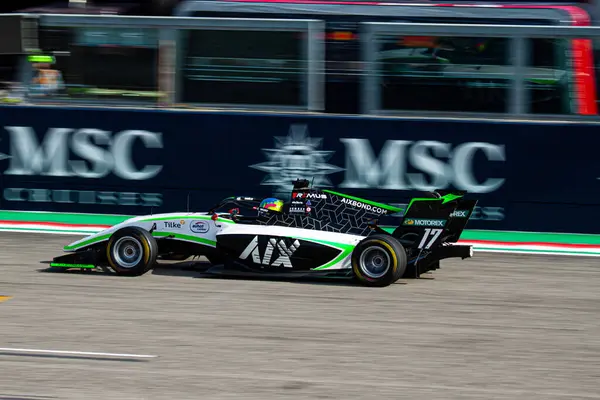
{"x": 530, "y": 177}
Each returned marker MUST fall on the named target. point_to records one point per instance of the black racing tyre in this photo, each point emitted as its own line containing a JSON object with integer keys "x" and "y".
{"x": 378, "y": 260}
{"x": 131, "y": 251}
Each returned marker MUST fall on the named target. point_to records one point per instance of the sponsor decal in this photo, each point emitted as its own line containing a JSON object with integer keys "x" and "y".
{"x": 439, "y": 165}
{"x": 367, "y": 207}
{"x": 479, "y": 213}
{"x": 79, "y": 153}
{"x": 52, "y": 157}
{"x": 68, "y": 196}
{"x": 298, "y": 210}
{"x": 296, "y": 155}
{"x": 460, "y": 214}
{"x": 276, "y": 254}
{"x": 297, "y": 195}
{"x": 173, "y": 225}
{"x": 424, "y": 222}
{"x": 199, "y": 226}
{"x": 423, "y": 165}
{"x": 429, "y": 238}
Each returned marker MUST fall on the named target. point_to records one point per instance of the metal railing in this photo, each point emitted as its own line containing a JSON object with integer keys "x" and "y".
{"x": 517, "y": 34}
{"x": 305, "y": 74}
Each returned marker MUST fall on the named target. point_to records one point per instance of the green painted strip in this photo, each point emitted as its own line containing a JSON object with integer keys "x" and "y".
{"x": 542, "y": 81}
{"x": 450, "y": 197}
{"x": 87, "y": 242}
{"x": 41, "y": 59}
{"x": 336, "y": 260}
{"x": 345, "y": 250}
{"x": 155, "y": 234}
{"x": 62, "y": 265}
{"x": 373, "y": 203}
{"x": 200, "y": 217}
{"x": 110, "y": 219}
{"x": 388, "y": 229}
{"x": 444, "y": 199}
{"x": 66, "y": 218}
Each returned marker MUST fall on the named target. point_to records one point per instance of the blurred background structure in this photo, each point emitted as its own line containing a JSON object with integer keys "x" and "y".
{"x": 408, "y": 71}
{"x": 120, "y": 7}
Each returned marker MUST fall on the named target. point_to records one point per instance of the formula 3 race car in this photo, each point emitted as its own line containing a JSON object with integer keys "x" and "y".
{"x": 317, "y": 233}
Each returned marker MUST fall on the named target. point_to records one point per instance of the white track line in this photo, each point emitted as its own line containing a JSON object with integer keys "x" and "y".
{"x": 89, "y": 228}
{"x": 530, "y": 253}
{"x": 78, "y": 353}
{"x": 46, "y": 232}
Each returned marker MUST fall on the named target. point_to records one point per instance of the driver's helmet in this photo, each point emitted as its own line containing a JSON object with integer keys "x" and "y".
{"x": 271, "y": 203}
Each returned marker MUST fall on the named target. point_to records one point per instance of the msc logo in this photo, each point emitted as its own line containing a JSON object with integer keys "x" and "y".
{"x": 283, "y": 251}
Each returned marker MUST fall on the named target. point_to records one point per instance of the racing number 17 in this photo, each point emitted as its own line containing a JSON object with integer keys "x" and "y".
{"x": 434, "y": 234}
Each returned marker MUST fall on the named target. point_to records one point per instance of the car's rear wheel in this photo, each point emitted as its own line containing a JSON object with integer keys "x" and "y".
{"x": 131, "y": 251}
{"x": 379, "y": 260}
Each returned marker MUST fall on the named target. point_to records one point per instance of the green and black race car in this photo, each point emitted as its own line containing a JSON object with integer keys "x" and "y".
{"x": 316, "y": 232}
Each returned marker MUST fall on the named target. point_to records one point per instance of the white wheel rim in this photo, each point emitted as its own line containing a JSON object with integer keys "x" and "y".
{"x": 127, "y": 252}
{"x": 374, "y": 262}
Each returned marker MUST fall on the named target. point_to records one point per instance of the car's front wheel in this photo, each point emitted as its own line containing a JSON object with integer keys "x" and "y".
{"x": 131, "y": 251}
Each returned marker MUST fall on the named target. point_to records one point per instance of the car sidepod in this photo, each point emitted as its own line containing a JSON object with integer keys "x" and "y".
{"x": 285, "y": 250}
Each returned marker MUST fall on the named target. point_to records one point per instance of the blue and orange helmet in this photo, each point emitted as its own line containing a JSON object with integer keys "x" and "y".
{"x": 272, "y": 203}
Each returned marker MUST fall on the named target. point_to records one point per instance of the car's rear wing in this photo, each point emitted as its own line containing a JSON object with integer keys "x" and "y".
{"x": 459, "y": 219}
{"x": 428, "y": 222}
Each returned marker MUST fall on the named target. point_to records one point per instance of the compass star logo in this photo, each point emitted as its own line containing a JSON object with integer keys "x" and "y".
{"x": 4, "y": 156}
{"x": 296, "y": 156}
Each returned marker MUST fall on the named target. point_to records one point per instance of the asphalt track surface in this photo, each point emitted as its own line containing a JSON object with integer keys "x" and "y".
{"x": 493, "y": 327}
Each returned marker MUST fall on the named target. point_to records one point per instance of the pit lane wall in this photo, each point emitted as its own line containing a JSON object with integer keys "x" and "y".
{"x": 536, "y": 177}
